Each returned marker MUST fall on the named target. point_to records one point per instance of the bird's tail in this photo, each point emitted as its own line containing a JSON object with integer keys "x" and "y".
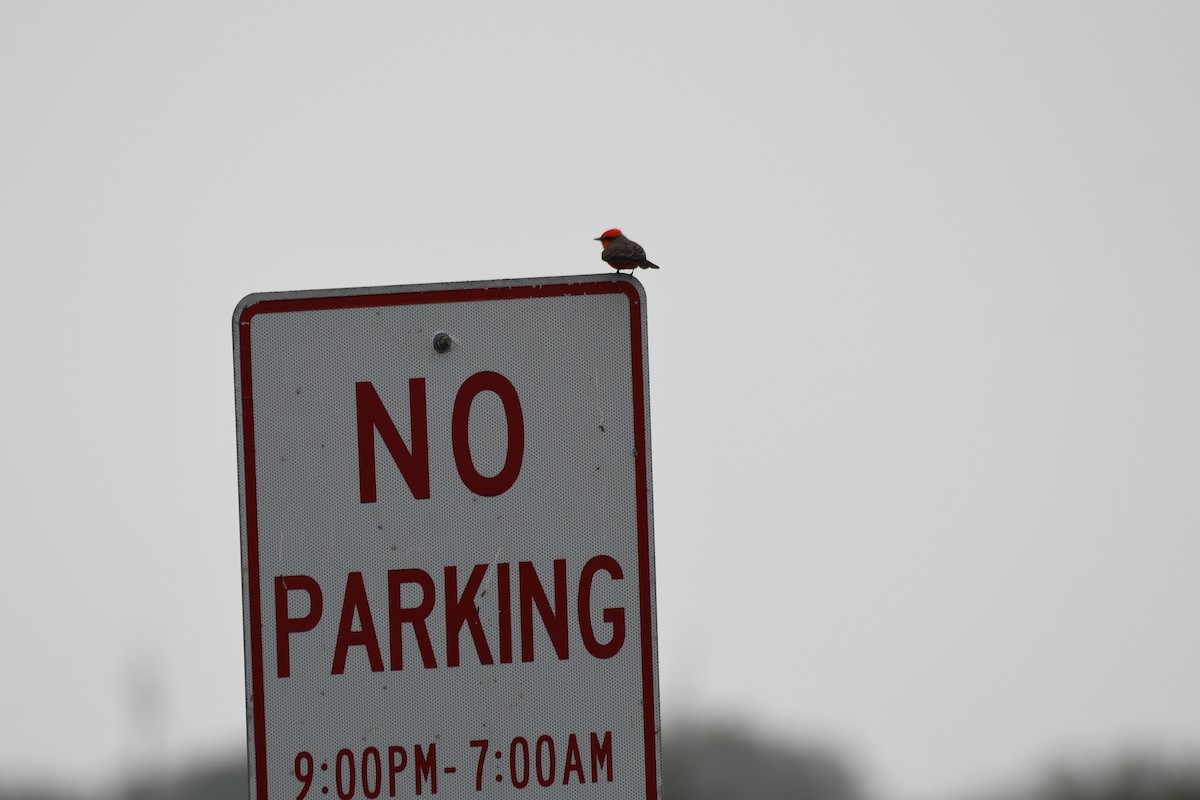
{"x": 644, "y": 264}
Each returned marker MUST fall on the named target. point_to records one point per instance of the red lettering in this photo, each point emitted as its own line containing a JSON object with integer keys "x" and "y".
{"x": 573, "y": 762}
{"x": 504, "y": 599}
{"x": 548, "y": 611}
{"x": 356, "y": 602}
{"x": 372, "y": 765}
{"x": 345, "y": 774}
{"x": 518, "y": 770}
{"x": 426, "y": 767}
{"x": 397, "y": 761}
{"x": 503, "y": 480}
{"x": 554, "y": 618}
{"x": 601, "y": 756}
{"x": 285, "y": 625}
{"x": 545, "y": 745}
{"x": 461, "y": 609}
{"x": 615, "y": 617}
{"x": 415, "y": 616}
{"x": 372, "y": 416}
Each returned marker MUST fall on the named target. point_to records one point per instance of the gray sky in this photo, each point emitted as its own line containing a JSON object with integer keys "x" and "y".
{"x": 923, "y": 349}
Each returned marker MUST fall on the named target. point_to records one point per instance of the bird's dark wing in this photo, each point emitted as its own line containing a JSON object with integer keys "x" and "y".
{"x": 623, "y": 249}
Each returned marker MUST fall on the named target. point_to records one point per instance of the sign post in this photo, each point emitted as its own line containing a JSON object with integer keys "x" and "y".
{"x": 447, "y": 541}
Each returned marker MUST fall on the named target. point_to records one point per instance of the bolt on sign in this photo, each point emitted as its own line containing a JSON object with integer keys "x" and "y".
{"x": 447, "y": 541}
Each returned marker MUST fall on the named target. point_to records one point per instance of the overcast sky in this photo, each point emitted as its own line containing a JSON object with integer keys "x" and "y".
{"x": 923, "y": 347}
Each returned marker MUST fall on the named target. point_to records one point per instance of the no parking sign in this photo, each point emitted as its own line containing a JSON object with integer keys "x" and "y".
{"x": 447, "y": 541}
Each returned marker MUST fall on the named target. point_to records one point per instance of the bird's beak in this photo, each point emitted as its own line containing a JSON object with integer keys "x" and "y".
{"x": 598, "y": 239}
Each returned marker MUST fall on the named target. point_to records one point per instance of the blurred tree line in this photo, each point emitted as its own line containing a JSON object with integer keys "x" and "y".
{"x": 703, "y": 762}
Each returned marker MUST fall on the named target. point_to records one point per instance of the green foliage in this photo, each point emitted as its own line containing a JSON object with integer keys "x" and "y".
{"x": 1135, "y": 777}
{"x": 726, "y": 764}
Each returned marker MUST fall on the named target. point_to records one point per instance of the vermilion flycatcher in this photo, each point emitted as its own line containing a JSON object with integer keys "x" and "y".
{"x": 620, "y": 252}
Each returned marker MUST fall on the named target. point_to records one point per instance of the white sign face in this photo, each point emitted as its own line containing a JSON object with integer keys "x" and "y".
{"x": 447, "y": 541}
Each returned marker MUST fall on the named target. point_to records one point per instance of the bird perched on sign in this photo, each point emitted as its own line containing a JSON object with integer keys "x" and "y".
{"x": 620, "y": 252}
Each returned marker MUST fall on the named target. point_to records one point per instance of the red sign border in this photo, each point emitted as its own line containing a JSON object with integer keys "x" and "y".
{"x": 428, "y": 296}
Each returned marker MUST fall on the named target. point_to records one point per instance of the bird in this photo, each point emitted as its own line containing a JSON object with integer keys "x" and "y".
{"x": 620, "y": 252}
